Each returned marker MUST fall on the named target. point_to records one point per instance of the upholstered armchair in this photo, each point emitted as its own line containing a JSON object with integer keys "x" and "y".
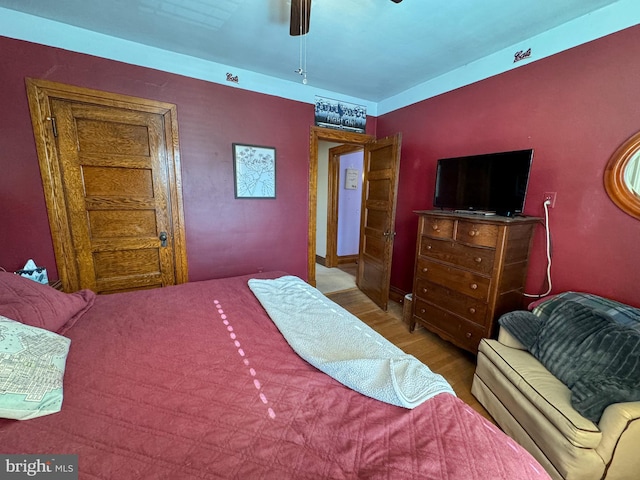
{"x": 564, "y": 381}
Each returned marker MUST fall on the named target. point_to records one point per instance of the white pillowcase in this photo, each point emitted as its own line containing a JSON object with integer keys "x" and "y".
{"x": 32, "y": 363}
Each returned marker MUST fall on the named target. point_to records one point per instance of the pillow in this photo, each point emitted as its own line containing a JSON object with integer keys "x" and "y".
{"x": 39, "y": 305}
{"x": 32, "y": 363}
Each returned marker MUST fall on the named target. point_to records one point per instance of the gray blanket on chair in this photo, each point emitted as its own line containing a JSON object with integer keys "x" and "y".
{"x": 593, "y": 355}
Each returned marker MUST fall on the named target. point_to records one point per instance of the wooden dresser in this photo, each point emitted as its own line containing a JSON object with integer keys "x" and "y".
{"x": 469, "y": 270}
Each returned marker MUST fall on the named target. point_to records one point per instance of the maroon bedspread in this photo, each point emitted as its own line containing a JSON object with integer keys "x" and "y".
{"x": 195, "y": 381}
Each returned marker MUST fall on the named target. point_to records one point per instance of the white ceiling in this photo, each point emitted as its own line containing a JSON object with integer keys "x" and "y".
{"x": 367, "y": 49}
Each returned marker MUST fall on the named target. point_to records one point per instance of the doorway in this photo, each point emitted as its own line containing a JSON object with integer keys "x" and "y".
{"x": 343, "y": 204}
{"x": 339, "y": 137}
{"x": 379, "y": 194}
{"x": 338, "y": 203}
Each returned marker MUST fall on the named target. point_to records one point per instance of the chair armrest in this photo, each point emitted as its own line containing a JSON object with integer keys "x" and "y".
{"x": 620, "y": 427}
{"x": 508, "y": 340}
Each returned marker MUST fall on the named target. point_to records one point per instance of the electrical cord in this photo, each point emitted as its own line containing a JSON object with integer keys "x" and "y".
{"x": 548, "y": 239}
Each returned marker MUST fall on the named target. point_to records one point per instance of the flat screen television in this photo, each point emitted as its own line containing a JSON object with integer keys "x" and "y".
{"x": 493, "y": 183}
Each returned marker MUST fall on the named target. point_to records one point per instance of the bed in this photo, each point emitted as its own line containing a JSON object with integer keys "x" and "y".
{"x": 195, "y": 381}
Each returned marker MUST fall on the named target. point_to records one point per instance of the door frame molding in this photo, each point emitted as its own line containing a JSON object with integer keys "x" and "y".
{"x": 317, "y": 134}
{"x": 333, "y": 203}
{"x": 40, "y": 93}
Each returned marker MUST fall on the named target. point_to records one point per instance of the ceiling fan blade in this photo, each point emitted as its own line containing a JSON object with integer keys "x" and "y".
{"x": 300, "y": 16}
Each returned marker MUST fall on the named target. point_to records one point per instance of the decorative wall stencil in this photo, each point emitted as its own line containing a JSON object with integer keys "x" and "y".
{"x": 254, "y": 170}
{"x": 521, "y": 55}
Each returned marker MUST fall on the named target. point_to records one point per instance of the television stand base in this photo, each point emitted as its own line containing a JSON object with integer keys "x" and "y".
{"x": 476, "y": 212}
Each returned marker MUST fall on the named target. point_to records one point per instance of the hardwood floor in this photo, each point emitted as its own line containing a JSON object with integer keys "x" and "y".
{"x": 454, "y": 364}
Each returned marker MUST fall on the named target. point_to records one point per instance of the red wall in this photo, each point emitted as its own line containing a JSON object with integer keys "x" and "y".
{"x": 225, "y": 236}
{"x": 574, "y": 108}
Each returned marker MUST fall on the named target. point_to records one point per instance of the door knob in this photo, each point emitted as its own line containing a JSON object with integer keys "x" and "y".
{"x": 163, "y": 239}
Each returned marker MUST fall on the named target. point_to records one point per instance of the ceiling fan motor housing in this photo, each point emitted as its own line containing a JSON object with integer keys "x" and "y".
{"x": 301, "y": 14}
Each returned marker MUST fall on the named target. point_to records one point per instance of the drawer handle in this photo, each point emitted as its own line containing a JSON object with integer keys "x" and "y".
{"x": 474, "y": 286}
{"x": 472, "y": 310}
{"x": 425, "y": 269}
{"x": 424, "y": 290}
{"x": 478, "y": 260}
{"x": 468, "y": 335}
{"x": 429, "y": 247}
{"x": 434, "y": 226}
{"x": 422, "y": 310}
{"x": 473, "y": 233}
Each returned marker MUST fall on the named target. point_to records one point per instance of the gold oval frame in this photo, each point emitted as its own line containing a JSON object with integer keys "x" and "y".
{"x": 617, "y": 189}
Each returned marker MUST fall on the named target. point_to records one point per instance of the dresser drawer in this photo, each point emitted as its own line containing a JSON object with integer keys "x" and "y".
{"x": 472, "y": 309}
{"x": 463, "y": 281}
{"x": 472, "y": 258}
{"x": 477, "y": 233}
{"x": 438, "y": 227}
{"x": 462, "y": 332}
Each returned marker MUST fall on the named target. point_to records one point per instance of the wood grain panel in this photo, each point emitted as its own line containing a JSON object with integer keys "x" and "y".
{"x": 116, "y": 223}
{"x": 112, "y": 138}
{"x": 371, "y": 276}
{"x": 464, "y": 281}
{"x": 379, "y": 160}
{"x": 513, "y": 276}
{"x": 453, "y": 301}
{"x": 117, "y": 182}
{"x": 122, "y": 203}
{"x": 376, "y": 220}
{"x": 373, "y": 246}
{"x": 478, "y": 259}
{"x": 462, "y": 332}
{"x": 378, "y": 190}
{"x": 519, "y": 239}
{"x": 477, "y": 234}
{"x": 438, "y": 227}
{"x": 122, "y": 263}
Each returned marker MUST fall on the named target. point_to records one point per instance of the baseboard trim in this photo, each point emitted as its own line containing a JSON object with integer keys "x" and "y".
{"x": 396, "y": 294}
{"x": 347, "y": 259}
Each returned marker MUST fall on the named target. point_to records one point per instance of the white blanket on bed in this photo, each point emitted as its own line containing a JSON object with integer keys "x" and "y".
{"x": 342, "y": 346}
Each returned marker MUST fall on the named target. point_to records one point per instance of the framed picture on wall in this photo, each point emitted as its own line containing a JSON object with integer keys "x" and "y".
{"x": 254, "y": 171}
{"x": 351, "y": 179}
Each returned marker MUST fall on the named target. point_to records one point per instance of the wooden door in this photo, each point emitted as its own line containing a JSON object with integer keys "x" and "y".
{"x": 112, "y": 185}
{"x": 377, "y": 226}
